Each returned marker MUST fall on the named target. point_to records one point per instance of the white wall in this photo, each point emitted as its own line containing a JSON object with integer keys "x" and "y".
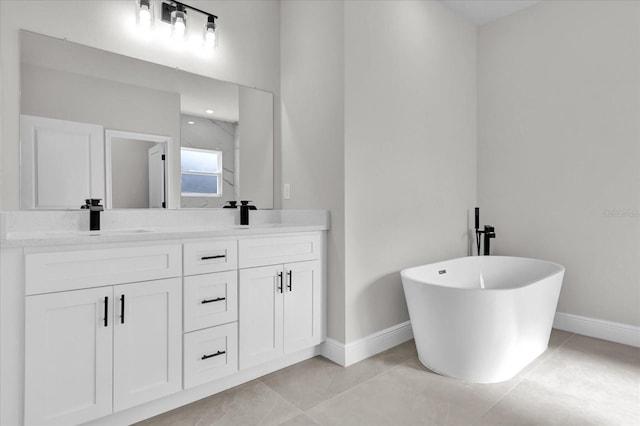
{"x": 312, "y": 66}
{"x": 248, "y": 54}
{"x": 559, "y": 147}
{"x": 410, "y": 149}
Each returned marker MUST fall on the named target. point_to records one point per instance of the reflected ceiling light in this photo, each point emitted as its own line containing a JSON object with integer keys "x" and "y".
{"x": 209, "y": 111}
{"x": 191, "y": 122}
{"x": 144, "y": 17}
{"x": 175, "y": 13}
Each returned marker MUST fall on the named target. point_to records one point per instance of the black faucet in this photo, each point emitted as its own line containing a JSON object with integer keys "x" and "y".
{"x": 94, "y": 207}
{"x": 244, "y": 212}
{"x": 488, "y": 232}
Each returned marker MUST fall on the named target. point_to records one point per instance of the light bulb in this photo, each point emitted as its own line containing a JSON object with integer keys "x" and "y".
{"x": 179, "y": 22}
{"x": 210, "y": 33}
{"x": 144, "y": 16}
{"x": 210, "y": 39}
{"x": 178, "y": 28}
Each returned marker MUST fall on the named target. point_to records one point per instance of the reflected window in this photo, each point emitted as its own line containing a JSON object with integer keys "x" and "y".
{"x": 201, "y": 172}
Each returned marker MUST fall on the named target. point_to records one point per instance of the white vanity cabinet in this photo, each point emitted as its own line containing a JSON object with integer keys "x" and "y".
{"x": 117, "y": 331}
{"x": 93, "y": 351}
{"x": 280, "y": 304}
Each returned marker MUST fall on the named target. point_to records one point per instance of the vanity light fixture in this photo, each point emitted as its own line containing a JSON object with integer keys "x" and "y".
{"x": 209, "y": 111}
{"x": 175, "y": 13}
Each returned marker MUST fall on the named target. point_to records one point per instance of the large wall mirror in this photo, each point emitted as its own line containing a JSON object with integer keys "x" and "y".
{"x": 95, "y": 124}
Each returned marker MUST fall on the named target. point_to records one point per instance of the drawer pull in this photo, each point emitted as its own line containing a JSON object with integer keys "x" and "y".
{"x": 217, "y": 299}
{"x": 212, "y": 355}
{"x": 217, "y": 256}
{"x": 122, "y": 309}
{"x": 106, "y": 311}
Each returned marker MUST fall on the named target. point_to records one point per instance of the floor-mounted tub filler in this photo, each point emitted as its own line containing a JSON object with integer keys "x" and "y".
{"x": 482, "y": 319}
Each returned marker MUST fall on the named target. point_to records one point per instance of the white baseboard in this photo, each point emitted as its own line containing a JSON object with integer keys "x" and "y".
{"x": 601, "y": 329}
{"x": 350, "y": 353}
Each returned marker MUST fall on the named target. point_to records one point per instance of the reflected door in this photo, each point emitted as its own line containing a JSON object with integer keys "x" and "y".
{"x": 156, "y": 176}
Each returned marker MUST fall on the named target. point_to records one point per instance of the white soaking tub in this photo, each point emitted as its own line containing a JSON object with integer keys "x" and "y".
{"x": 482, "y": 319}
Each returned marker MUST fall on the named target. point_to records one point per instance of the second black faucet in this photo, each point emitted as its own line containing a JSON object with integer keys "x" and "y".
{"x": 94, "y": 207}
{"x": 244, "y": 212}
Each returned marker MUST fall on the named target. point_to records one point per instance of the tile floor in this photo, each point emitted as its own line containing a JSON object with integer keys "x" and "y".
{"x": 577, "y": 381}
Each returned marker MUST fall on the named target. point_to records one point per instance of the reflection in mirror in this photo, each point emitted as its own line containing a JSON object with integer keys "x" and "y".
{"x": 85, "y": 86}
{"x": 136, "y": 170}
{"x": 214, "y": 142}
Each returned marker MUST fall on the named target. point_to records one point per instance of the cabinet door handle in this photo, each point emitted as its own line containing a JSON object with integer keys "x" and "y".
{"x": 212, "y": 355}
{"x": 280, "y": 286}
{"x": 217, "y": 299}
{"x": 290, "y": 285}
{"x": 106, "y": 311}
{"x": 122, "y": 309}
{"x": 217, "y": 256}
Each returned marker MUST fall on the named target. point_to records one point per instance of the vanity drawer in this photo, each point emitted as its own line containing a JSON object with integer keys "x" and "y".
{"x": 210, "y": 354}
{"x": 71, "y": 270}
{"x": 276, "y": 250}
{"x": 210, "y": 299}
{"x": 211, "y": 256}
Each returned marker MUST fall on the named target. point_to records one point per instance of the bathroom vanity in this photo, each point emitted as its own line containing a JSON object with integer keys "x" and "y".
{"x": 115, "y": 326}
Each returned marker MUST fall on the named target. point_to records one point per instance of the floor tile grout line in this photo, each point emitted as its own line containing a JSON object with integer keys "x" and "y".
{"x": 352, "y": 387}
{"x": 331, "y": 397}
{"x": 507, "y": 392}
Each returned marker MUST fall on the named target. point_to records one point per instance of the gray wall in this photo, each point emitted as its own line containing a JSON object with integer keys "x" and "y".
{"x": 379, "y": 126}
{"x": 559, "y": 147}
{"x": 256, "y": 147}
{"x": 130, "y": 173}
{"x": 410, "y": 151}
{"x": 312, "y": 64}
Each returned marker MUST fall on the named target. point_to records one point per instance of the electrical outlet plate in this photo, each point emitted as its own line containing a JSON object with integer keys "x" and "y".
{"x": 287, "y": 191}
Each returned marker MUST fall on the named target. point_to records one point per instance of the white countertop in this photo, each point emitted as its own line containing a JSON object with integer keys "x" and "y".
{"x": 39, "y": 229}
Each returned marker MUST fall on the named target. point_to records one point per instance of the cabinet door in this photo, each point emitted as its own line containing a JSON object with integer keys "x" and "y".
{"x": 147, "y": 361}
{"x": 68, "y": 356}
{"x": 302, "y": 305}
{"x": 260, "y": 316}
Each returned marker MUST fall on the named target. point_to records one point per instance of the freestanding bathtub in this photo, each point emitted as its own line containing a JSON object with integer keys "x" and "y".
{"x": 482, "y": 319}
